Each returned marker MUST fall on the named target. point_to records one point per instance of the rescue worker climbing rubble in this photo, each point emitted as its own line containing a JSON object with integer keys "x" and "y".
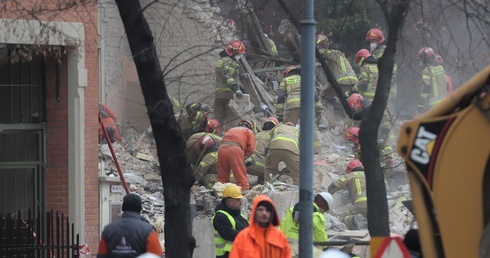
{"x": 386, "y": 139}
{"x": 355, "y": 182}
{"x": 228, "y": 83}
{"x": 207, "y": 164}
{"x": 256, "y": 163}
{"x": 368, "y": 81}
{"x": 193, "y": 153}
{"x": 352, "y": 135}
{"x": 289, "y": 96}
{"x": 237, "y": 144}
{"x": 434, "y": 82}
{"x": 194, "y": 120}
{"x": 228, "y": 220}
{"x": 338, "y": 64}
{"x": 323, "y": 202}
{"x": 284, "y": 146}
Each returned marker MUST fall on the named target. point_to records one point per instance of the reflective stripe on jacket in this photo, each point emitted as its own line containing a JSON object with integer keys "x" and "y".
{"x": 222, "y": 245}
{"x": 340, "y": 67}
{"x": 285, "y": 137}
{"x": 292, "y": 86}
{"x": 290, "y": 227}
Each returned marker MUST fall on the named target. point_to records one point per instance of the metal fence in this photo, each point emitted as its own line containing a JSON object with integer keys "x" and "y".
{"x": 42, "y": 235}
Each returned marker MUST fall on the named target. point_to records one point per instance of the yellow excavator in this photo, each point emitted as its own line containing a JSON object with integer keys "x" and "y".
{"x": 447, "y": 153}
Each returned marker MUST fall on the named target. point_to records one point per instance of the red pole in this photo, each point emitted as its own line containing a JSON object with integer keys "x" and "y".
{"x": 109, "y": 143}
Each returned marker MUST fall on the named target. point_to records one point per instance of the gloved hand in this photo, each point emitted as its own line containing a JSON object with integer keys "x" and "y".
{"x": 239, "y": 94}
{"x": 280, "y": 118}
{"x": 243, "y": 76}
{"x": 249, "y": 163}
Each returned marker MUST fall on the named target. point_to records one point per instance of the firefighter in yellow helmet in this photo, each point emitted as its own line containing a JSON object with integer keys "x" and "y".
{"x": 228, "y": 220}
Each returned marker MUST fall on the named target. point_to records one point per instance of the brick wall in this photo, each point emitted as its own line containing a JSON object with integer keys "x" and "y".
{"x": 57, "y": 123}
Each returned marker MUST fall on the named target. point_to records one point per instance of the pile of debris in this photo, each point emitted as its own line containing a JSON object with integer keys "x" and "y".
{"x": 139, "y": 162}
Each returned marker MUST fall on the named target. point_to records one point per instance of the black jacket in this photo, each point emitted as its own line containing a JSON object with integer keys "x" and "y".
{"x": 222, "y": 224}
{"x": 127, "y": 236}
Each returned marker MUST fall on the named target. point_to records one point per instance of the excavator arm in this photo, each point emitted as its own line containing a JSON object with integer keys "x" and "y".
{"x": 447, "y": 153}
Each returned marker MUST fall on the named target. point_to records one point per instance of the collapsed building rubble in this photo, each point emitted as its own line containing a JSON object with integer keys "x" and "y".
{"x": 143, "y": 177}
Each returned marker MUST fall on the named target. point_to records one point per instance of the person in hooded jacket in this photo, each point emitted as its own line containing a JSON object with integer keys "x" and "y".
{"x": 261, "y": 239}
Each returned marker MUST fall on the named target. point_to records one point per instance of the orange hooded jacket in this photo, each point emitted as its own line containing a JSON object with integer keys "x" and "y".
{"x": 246, "y": 245}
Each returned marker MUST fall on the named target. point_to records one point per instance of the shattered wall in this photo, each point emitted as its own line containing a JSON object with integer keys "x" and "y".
{"x": 186, "y": 36}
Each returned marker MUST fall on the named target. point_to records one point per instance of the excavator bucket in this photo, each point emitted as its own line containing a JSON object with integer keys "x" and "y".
{"x": 447, "y": 152}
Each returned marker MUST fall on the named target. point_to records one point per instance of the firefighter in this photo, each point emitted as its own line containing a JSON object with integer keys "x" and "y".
{"x": 352, "y": 135}
{"x": 440, "y": 61}
{"x": 377, "y": 48}
{"x": 193, "y": 153}
{"x": 109, "y": 120}
{"x": 206, "y": 170}
{"x": 323, "y": 202}
{"x": 377, "y": 44}
{"x": 289, "y": 96}
{"x": 434, "y": 82}
{"x": 368, "y": 81}
{"x": 368, "y": 74}
{"x": 284, "y": 146}
{"x": 386, "y": 138}
{"x": 338, "y": 64}
{"x": 256, "y": 163}
{"x": 228, "y": 83}
{"x": 237, "y": 144}
{"x": 272, "y": 45}
{"x": 355, "y": 182}
{"x": 194, "y": 120}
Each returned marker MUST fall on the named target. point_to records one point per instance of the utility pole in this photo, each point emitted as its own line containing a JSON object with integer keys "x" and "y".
{"x": 307, "y": 116}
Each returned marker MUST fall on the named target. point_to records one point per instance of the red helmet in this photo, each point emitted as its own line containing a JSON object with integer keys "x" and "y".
{"x": 439, "y": 59}
{"x": 246, "y": 123}
{"x": 213, "y": 126}
{"x": 321, "y": 40}
{"x": 289, "y": 69}
{"x": 375, "y": 34}
{"x": 205, "y": 142}
{"x": 361, "y": 55}
{"x": 273, "y": 120}
{"x": 352, "y": 134}
{"x": 356, "y": 101}
{"x": 426, "y": 53}
{"x": 235, "y": 47}
{"x": 353, "y": 164}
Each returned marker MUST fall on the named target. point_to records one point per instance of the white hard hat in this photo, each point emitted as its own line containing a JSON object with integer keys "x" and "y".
{"x": 334, "y": 253}
{"x": 328, "y": 198}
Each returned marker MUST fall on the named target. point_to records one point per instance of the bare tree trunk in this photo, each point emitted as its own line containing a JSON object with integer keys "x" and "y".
{"x": 376, "y": 192}
{"x": 177, "y": 176}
